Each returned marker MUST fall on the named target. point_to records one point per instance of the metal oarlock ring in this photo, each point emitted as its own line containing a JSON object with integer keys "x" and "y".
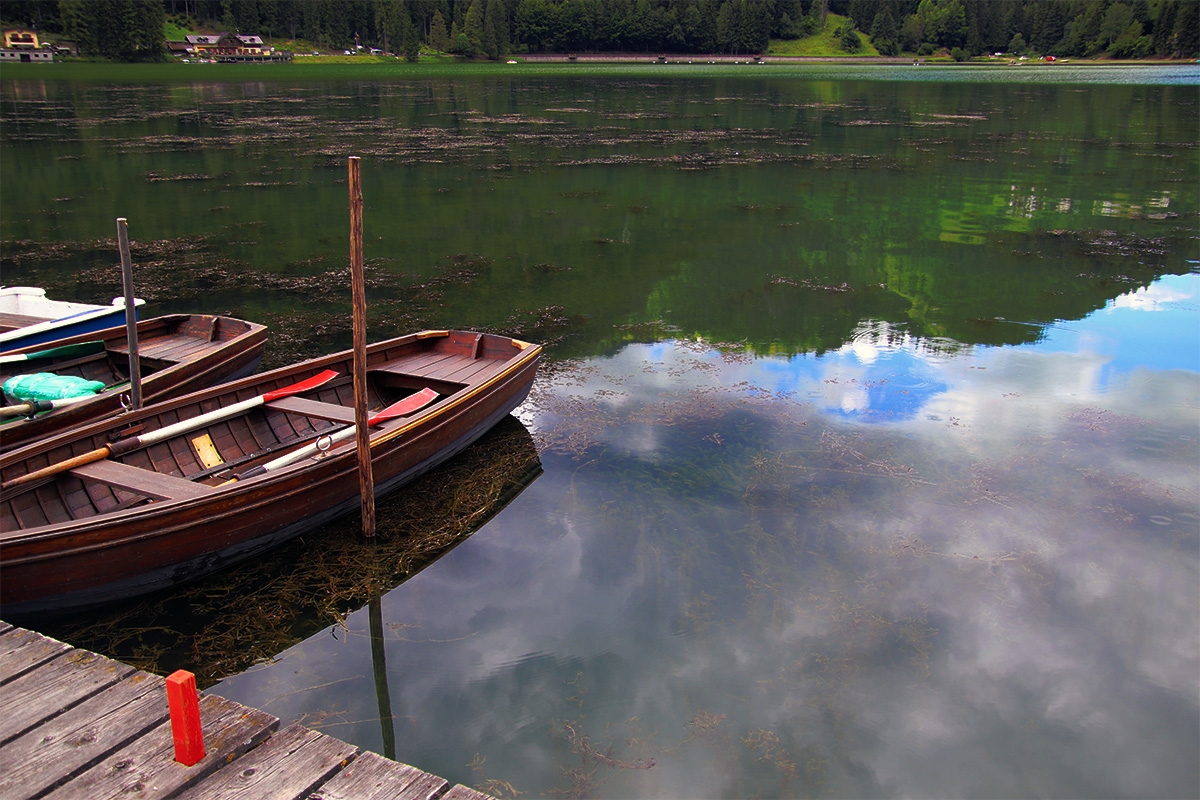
{"x": 323, "y": 444}
{"x": 126, "y": 402}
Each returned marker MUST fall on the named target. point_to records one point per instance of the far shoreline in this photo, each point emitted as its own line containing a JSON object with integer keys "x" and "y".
{"x": 367, "y": 67}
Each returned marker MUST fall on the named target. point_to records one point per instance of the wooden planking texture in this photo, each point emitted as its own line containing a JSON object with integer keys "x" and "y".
{"x": 56, "y": 751}
{"x": 54, "y": 687}
{"x": 75, "y": 725}
{"x": 373, "y": 777}
{"x": 146, "y": 767}
{"x": 289, "y": 766}
{"x": 22, "y": 650}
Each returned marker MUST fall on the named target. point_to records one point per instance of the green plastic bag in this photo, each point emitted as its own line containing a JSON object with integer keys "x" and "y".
{"x": 47, "y": 386}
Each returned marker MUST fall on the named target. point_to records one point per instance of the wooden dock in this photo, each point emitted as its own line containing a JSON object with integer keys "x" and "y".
{"x": 74, "y": 724}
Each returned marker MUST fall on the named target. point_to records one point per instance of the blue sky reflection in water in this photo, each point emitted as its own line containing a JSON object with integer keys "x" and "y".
{"x": 883, "y": 571}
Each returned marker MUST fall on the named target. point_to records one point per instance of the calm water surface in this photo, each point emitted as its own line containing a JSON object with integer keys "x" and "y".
{"x": 866, "y": 461}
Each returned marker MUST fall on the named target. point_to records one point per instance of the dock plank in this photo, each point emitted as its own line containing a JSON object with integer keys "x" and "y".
{"x": 22, "y": 650}
{"x": 58, "y": 685}
{"x": 52, "y": 753}
{"x": 373, "y": 777}
{"x": 289, "y": 766}
{"x": 11, "y": 638}
{"x": 146, "y": 768}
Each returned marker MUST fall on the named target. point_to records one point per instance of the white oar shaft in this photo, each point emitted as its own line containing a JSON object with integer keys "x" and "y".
{"x": 191, "y": 423}
{"x": 308, "y": 450}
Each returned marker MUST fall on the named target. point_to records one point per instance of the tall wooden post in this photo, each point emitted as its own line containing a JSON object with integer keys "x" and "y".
{"x": 135, "y": 363}
{"x": 366, "y": 478}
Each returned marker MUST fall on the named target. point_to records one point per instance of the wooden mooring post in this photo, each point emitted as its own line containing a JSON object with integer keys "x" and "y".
{"x": 358, "y": 289}
{"x": 135, "y": 363}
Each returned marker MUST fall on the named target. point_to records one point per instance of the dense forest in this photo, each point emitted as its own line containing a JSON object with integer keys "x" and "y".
{"x": 133, "y": 30}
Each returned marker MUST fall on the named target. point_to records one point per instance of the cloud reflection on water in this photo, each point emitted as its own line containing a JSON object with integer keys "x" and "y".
{"x": 996, "y": 594}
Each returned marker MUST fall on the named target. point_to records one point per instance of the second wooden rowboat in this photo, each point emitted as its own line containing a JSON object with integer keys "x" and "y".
{"x": 28, "y": 317}
{"x": 177, "y": 354}
{"x": 260, "y": 465}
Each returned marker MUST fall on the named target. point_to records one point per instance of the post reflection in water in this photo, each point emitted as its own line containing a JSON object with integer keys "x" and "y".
{"x": 379, "y": 668}
{"x": 864, "y": 460}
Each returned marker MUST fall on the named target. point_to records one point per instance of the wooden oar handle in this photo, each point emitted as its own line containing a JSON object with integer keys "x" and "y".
{"x": 55, "y": 469}
{"x": 25, "y": 409}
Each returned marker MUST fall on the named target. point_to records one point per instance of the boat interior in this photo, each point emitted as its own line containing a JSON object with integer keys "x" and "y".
{"x": 162, "y": 343}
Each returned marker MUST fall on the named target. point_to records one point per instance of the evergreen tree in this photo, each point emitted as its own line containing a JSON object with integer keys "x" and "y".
{"x": 495, "y": 30}
{"x": 439, "y": 39}
{"x": 121, "y": 30}
{"x": 705, "y": 37}
{"x": 1164, "y": 28}
{"x": 756, "y": 24}
{"x": 1047, "y": 25}
{"x": 884, "y": 34}
{"x": 848, "y": 38}
{"x": 728, "y": 20}
{"x": 410, "y": 36}
{"x": 1116, "y": 19}
{"x": 947, "y": 24}
{"x": 1187, "y": 30}
{"x": 388, "y": 25}
{"x": 473, "y": 28}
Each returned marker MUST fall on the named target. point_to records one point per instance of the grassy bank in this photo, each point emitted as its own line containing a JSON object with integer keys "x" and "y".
{"x": 822, "y": 44}
{"x": 369, "y": 68}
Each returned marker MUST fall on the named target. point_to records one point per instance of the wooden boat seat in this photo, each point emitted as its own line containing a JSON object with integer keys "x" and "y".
{"x": 312, "y": 408}
{"x": 335, "y": 413}
{"x": 154, "y": 485}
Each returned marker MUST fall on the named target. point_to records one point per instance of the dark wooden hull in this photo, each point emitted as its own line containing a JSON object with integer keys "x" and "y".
{"x": 51, "y": 562}
{"x": 178, "y": 354}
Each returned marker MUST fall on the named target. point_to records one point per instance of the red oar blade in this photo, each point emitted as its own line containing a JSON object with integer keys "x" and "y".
{"x": 409, "y": 405}
{"x": 320, "y": 379}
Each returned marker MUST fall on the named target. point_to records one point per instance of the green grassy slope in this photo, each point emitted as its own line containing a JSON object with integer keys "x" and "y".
{"x": 823, "y": 43}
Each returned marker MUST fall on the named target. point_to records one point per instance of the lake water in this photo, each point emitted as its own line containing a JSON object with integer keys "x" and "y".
{"x": 865, "y": 460}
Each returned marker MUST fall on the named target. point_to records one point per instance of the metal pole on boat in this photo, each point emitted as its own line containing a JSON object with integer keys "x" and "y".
{"x": 366, "y": 478}
{"x": 135, "y": 364}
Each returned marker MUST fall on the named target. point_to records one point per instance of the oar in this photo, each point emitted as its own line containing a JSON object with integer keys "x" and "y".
{"x": 31, "y": 407}
{"x": 80, "y": 349}
{"x": 135, "y": 442}
{"x": 408, "y": 405}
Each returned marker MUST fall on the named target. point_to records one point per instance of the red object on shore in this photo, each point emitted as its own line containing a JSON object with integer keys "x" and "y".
{"x": 185, "y": 717}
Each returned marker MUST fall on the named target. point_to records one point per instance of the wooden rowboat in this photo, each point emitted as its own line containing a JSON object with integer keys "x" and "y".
{"x": 28, "y": 317}
{"x": 177, "y": 354}
{"x": 196, "y": 483}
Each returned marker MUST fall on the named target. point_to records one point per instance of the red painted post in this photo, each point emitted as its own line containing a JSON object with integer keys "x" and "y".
{"x": 185, "y": 717}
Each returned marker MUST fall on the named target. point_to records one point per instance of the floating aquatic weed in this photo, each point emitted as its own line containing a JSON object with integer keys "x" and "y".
{"x": 546, "y": 268}
{"x": 583, "y": 780}
{"x": 154, "y": 177}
